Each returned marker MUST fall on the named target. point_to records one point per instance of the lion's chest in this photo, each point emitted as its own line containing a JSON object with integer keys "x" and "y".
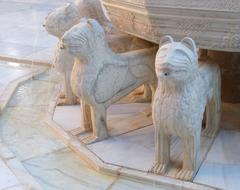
{"x": 82, "y": 80}
{"x": 178, "y": 113}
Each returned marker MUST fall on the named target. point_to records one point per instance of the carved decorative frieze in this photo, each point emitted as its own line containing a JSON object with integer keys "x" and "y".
{"x": 209, "y": 22}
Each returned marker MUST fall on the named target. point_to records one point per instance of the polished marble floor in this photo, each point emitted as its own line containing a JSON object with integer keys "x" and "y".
{"x": 11, "y": 76}
{"x": 21, "y": 32}
{"x": 10, "y": 73}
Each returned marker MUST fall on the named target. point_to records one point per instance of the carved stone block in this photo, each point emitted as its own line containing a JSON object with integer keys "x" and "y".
{"x": 213, "y": 24}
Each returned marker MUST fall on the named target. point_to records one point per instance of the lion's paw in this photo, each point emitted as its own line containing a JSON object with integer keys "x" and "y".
{"x": 184, "y": 174}
{"x": 209, "y": 132}
{"x": 159, "y": 168}
{"x": 61, "y": 95}
{"x": 93, "y": 139}
{"x": 64, "y": 102}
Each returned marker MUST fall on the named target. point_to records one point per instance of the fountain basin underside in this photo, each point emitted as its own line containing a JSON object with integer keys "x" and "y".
{"x": 212, "y": 24}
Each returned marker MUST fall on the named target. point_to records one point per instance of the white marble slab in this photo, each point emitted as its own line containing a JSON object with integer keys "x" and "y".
{"x": 25, "y": 133}
{"x": 138, "y": 147}
{"x": 222, "y": 165}
{"x": 17, "y": 187}
{"x": 11, "y": 76}
{"x": 8, "y": 74}
{"x": 121, "y": 118}
{"x": 124, "y": 184}
{"x": 34, "y": 92}
{"x": 7, "y": 178}
{"x": 133, "y": 150}
{"x": 25, "y": 37}
{"x": 22, "y": 174}
{"x": 5, "y": 154}
{"x": 64, "y": 170}
{"x": 68, "y": 117}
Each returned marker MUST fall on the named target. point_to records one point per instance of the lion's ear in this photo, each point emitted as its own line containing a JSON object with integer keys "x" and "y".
{"x": 69, "y": 8}
{"x": 95, "y": 26}
{"x": 89, "y": 21}
{"x": 94, "y": 23}
{"x": 165, "y": 40}
{"x": 189, "y": 43}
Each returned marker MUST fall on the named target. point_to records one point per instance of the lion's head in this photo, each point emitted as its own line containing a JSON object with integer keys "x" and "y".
{"x": 176, "y": 61}
{"x": 62, "y": 19}
{"x": 84, "y": 38}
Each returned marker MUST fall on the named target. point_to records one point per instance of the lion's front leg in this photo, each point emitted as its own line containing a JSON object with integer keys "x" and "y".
{"x": 86, "y": 121}
{"x": 213, "y": 110}
{"x": 162, "y": 152}
{"x": 191, "y": 146}
{"x": 99, "y": 124}
{"x": 69, "y": 98}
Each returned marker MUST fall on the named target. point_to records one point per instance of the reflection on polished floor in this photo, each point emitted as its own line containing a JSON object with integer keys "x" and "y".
{"x": 21, "y": 33}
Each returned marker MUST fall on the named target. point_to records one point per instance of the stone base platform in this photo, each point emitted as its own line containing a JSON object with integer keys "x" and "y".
{"x": 129, "y": 151}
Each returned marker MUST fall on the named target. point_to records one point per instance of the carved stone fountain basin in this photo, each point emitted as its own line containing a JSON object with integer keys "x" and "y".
{"x": 213, "y": 24}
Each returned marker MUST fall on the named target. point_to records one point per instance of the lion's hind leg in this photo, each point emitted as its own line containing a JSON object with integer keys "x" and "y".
{"x": 68, "y": 98}
{"x": 99, "y": 124}
{"x": 191, "y": 147}
{"x": 213, "y": 108}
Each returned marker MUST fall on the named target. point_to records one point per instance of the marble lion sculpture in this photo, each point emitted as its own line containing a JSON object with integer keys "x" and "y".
{"x": 65, "y": 17}
{"x": 61, "y": 20}
{"x": 185, "y": 89}
{"x": 101, "y": 77}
